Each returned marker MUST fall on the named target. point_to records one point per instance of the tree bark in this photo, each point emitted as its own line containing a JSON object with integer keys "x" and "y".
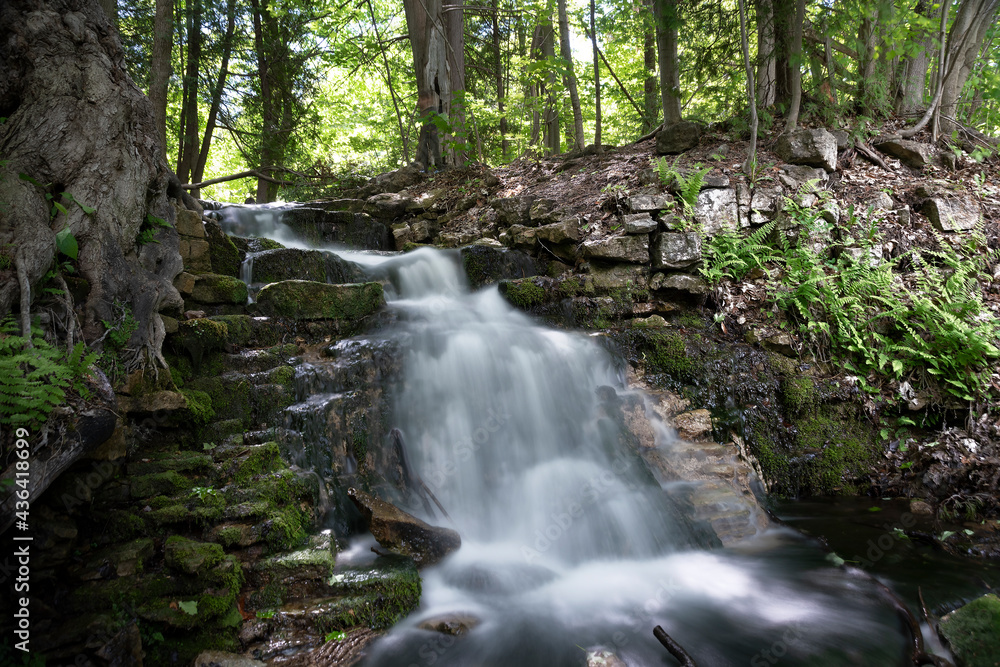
{"x": 751, "y": 162}
{"x": 457, "y": 142}
{"x": 430, "y": 64}
{"x": 569, "y": 79}
{"x": 189, "y": 138}
{"x": 163, "y": 32}
{"x": 667, "y": 21}
{"x": 912, "y": 77}
{"x": 967, "y": 33}
{"x": 498, "y": 72}
{"x": 766, "y": 73}
{"x": 796, "y": 62}
{"x": 64, "y": 76}
{"x": 597, "y": 79}
{"x": 651, "y": 107}
{"x": 220, "y": 86}
{"x": 110, "y": 8}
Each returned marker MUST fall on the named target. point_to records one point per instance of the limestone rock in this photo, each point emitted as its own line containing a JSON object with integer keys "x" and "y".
{"x": 880, "y": 202}
{"x": 188, "y": 223}
{"x": 693, "y": 425}
{"x": 213, "y": 288}
{"x": 639, "y": 223}
{"x": 911, "y": 153}
{"x": 305, "y": 300}
{"x": 403, "y": 533}
{"x": 680, "y": 282}
{"x": 519, "y": 236}
{"x": 513, "y": 210}
{"x": 271, "y": 266}
{"x": 545, "y": 212}
{"x": 843, "y": 139}
{"x": 676, "y": 250}
{"x": 486, "y": 265}
{"x": 387, "y": 205}
{"x": 157, "y": 402}
{"x": 191, "y": 556}
{"x": 632, "y": 249}
{"x": 678, "y": 138}
{"x": 195, "y": 253}
{"x": 952, "y": 214}
{"x": 649, "y": 203}
{"x": 816, "y": 148}
{"x": 225, "y": 257}
{"x": 716, "y": 210}
{"x": 560, "y": 232}
{"x": 794, "y": 176}
{"x": 223, "y": 659}
{"x": 971, "y": 632}
{"x": 617, "y": 276}
{"x": 393, "y": 181}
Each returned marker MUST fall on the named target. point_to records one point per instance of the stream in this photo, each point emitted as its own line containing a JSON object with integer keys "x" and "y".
{"x": 569, "y": 542}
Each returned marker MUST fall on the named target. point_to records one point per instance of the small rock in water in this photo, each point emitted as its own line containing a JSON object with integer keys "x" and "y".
{"x": 194, "y": 314}
{"x": 403, "y": 533}
{"x": 694, "y": 424}
{"x": 451, "y": 624}
{"x": 602, "y": 657}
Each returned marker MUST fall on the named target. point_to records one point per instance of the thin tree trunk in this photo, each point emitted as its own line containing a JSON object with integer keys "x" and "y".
{"x": 220, "y": 86}
{"x": 570, "y": 78}
{"x": 498, "y": 73}
{"x": 750, "y": 165}
{"x": 796, "y": 58}
{"x": 831, "y": 69}
{"x": 667, "y": 20}
{"x": 651, "y": 109}
{"x": 766, "y": 64}
{"x": 551, "y": 117}
{"x": 597, "y": 79}
{"x": 455, "y": 106}
{"x": 388, "y": 80}
{"x": 942, "y": 57}
{"x": 163, "y": 32}
{"x": 190, "y": 137}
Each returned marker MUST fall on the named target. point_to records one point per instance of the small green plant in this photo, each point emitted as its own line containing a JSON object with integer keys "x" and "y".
{"x": 118, "y": 332}
{"x": 204, "y": 492}
{"x": 34, "y": 380}
{"x": 189, "y": 607}
{"x": 730, "y": 254}
{"x": 335, "y": 636}
{"x": 150, "y": 226}
{"x": 56, "y": 200}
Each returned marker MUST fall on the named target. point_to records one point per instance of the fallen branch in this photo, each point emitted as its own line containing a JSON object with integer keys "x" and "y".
{"x": 649, "y": 135}
{"x": 868, "y": 153}
{"x": 257, "y": 173}
{"x": 673, "y": 647}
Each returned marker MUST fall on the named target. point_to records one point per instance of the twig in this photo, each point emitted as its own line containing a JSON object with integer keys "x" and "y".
{"x": 649, "y": 135}
{"x": 868, "y": 153}
{"x": 673, "y": 647}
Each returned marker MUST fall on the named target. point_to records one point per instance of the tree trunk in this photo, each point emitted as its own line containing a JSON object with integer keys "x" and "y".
{"x": 110, "y": 8}
{"x": 498, "y": 72}
{"x": 967, "y": 33}
{"x": 430, "y": 64}
{"x": 650, "y": 105}
{"x": 667, "y": 22}
{"x": 388, "y": 81}
{"x": 751, "y": 162}
{"x": 220, "y": 86}
{"x": 59, "y": 56}
{"x": 597, "y": 79}
{"x": 163, "y": 32}
{"x": 569, "y": 79}
{"x": 457, "y": 142}
{"x": 766, "y": 72}
{"x": 189, "y": 139}
{"x": 912, "y": 71}
{"x": 783, "y": 12}
{"x": 796, "y": 61}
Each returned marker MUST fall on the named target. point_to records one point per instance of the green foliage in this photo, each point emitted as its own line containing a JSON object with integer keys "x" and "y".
{"x": 688, "y": 186}
{"x": 150, "y": 227}
{"x": 34, "y": 380}
{"x": 730, "y": 254}
{"x": 118, "y": 332}
{"x": 56, "y": 199}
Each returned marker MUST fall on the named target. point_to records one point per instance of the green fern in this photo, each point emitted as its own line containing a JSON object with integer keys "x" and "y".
{"x": 34, "y": 380}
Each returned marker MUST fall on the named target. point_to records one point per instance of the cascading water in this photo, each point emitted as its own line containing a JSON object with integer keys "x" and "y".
{"x": 568, "y": 541}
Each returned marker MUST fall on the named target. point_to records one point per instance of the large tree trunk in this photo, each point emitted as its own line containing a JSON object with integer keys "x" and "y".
{"x": 430, "y": 64}
{"x": 667, "y": 22}
{"x": 766, "y": 63}
{"x": 570, "y": 77}
{"x": 189, "y": 137}
{"x": 455, "y": 107}
{"x": 912, "y": 75}
{"x": 78, "y": 124}
{"x": 795, "y": 56}
{"x": 964, "y": 40}
{"x": 163, "y": 32}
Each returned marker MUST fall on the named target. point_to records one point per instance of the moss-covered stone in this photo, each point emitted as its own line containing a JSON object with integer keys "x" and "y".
{"x": 158, "y": 484}
{"x": 973, "y": 632}
{"x": 668, "y": 354}
{"x": 378, "y": 595}
{"x": 523, "y": 294}
{"x": 262, "y": 459}
{"x": 199, "y": 406}
{"x": 157, "y": 462}
{"x": 190, "y": 556}
{"x": 198, "y": 337}
{"x": 799, "y": 394}
{"x": 212, "y": 288}
{"x": 835, "y": 448}
{"x": 305, "y": 300}
{"x": 225, "y": 257}
{"x": 239, "y": 329}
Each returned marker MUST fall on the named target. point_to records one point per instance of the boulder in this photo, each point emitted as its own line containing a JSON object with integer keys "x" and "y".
{"x": 451, "y": 624}
{"x": 649, "y": 203}
{"x": 519, "y": 236}
{"x": 677, "y": 138}
{"x": 546, "y": 211}
{"x": 880, "y": 202}
{"x": 911, "y": 153}
{"x": 317, "y": 225}
{"x": 487, "y": 265}
{"x": 694, "y": 424}
{"x": 972, "y": 632}
{"x": 273, "y": 266}
{"x": 794, "y": 176}
{"x": 513, "y": 210}
{"x": 614, "y": 277}
{"x": 402, "y": 533}
{"x": 388, "y": 205}
{"x": 952, "y": 214}
{"x": 225, "y": 257}
{"x": 213, "y": 288}
{"x": 815, "y": 148}
{"x": 632, "y": 249}
{"x": 639, "y": 223}
{"x": 305, "y": 300}
{"x": 676, "y": 250}
{"x": 560, "y": 232}
{"x": 716, "y": 210}
{"x": 680, "y": 282}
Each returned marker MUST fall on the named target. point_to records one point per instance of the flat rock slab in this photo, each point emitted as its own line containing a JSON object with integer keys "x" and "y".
{"x": 815, "y": 148}
{"x": 403, "y": 533}
{"x": 676, "y": 250}
{"x": 639, "y": 223}
{"x": 306, "y": 300}
{"x": 911, "y": 153}
{"x": 952, "y": 214}
{"x": 631, "y": 249}
{"x": 649, "y": 203}
{"x": 678, "y": 138}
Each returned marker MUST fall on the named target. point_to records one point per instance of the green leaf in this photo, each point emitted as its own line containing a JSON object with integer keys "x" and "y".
{"x": 874, "y": 509}
{"x": 30, "y": 179}
{"x": 335, "y": 636}
{"x": 66, "y": 243}
{"x": 189, "y": 607}
{"x": 835, "y": 559}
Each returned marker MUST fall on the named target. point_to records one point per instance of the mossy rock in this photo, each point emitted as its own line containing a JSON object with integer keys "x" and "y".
{"x": 835, "y": 447}
{"x": 973, "y": 632}
{"x": 198, "y": 337}
{"x": 486, "y": 265}
{"x": 213, "y": 288}
{"x": 305, "y": 300}
{"x": 190, "y": 556}
{"x": 262, "y": 459}
{"x": 165, "y": 461}
{"x": 274, "y": 266}
{"x": 224, "y": 254}
{"x": 239, "y": 329}
{"x": 199, "y": 406}
{"x": 668, "y": 354}
{"x": 158, "y": 484}
{"x": 378, "y": 595}
{"x": 524, "y": 294}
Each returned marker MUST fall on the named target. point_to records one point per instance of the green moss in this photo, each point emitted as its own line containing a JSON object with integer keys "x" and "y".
{"x": 973, "y": 632}
{"x": 171, "y": 514}
{"x": 570, "y": 287}
{"x": 199, "y": 406}
{"x": 668, "y": 354}
{"x": 283, "y": 375}
{"x": 213, "y": 288}
{"x": 305, "y": 300}
{"x": 196, "y": 337}
{"x": 123, "y": 525}
{"x": 799, "y": 394}
{"x": 239, "y": 328}
{"x": 190, "y": 556}
{"x": 690, "y": 320}
{"x": 230, "y": 536}
{"x": 178, "y": 461}
{"x": 377, "y": 596}
{"x": 262, "y": 459}
{"x": 835, "y": 447}
{"x": 158, "y": 484}
{"x": 522, "y": 293}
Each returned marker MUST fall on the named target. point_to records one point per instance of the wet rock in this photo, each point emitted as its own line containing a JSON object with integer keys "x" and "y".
{"x": 505, "y": 579}
{"x": 315, "y": 224}
{"x": 651, "y": 322}
{"x": 922, "y": 508}
{"x": 639, "y": 223}
{"x": 952, "y": 214}
{"x": 190, "y": 556}
{"x": 224, "y": 255}
{"x": 305, "y": 300}
{"x": 678, "y": 138}
{"x": 815, "y": 148}
{"x": 299, "y": 574}
{"x": 649, "y": 203}
{"x": 456, "y": 624}
{"x": 911, "y": 153}
{"x": 273, "y": 266}
{"x": 403, "y": 533}
{"x": 213, "y": 288}
{"x": 694, "y": 425}
{"x": 486, "y": 265}
{"x": 513, "y": 210}
{"x": 971, "y": 632}
{"x": 124, "y": 649}
{"x": 223, "y": 659}
{"x": 632, "y": 249}
{"x": 676, "y": 250}
{"x": 716, "y": 210}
